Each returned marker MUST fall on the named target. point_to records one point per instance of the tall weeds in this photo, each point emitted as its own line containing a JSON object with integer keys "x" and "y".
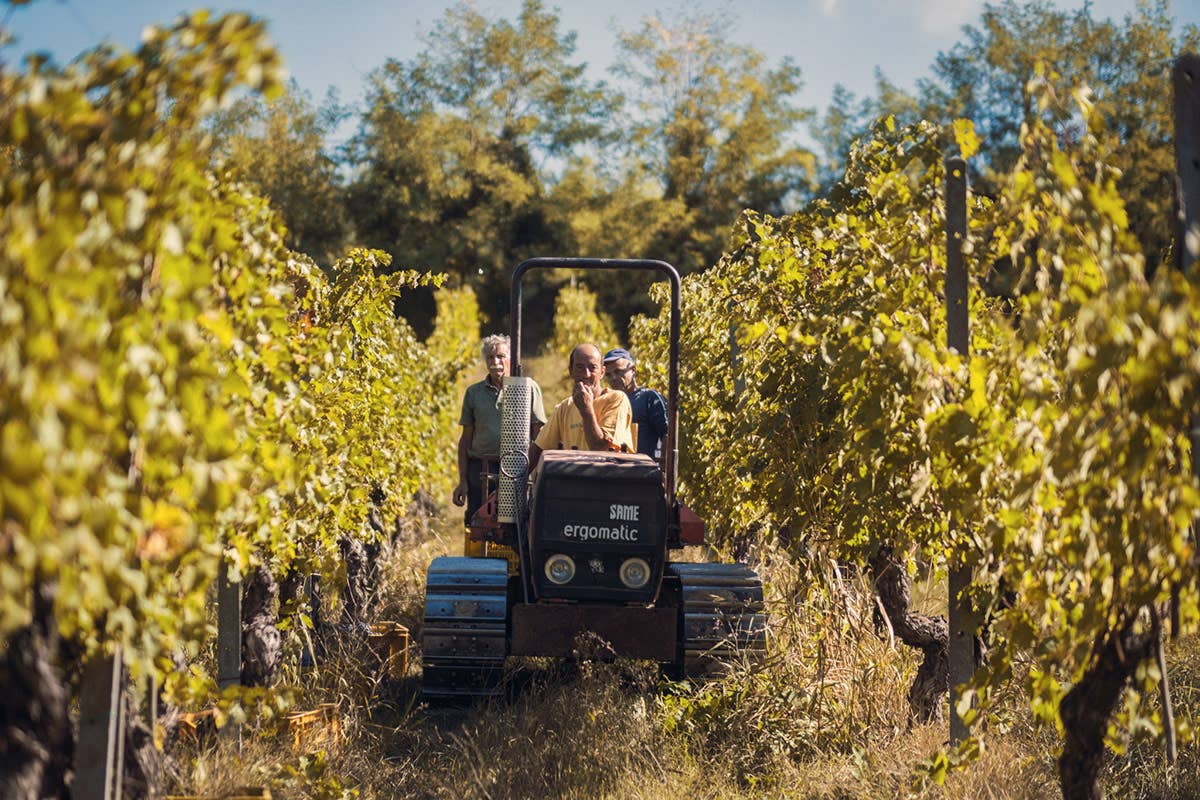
{"x": 823, "y": 717}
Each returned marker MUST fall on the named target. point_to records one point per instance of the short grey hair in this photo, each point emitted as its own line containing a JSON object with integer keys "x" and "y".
{"x": 493, "y": 341}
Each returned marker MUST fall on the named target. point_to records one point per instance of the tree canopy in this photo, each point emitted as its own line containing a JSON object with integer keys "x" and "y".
{"x": 712, "y": 122}
{"x": 990, "y": 75}
{"x": 451, "y": 156}
{"x": 493, "y": 145}
{"x": 496, "y": 142}
{"x": 280, "y": 146}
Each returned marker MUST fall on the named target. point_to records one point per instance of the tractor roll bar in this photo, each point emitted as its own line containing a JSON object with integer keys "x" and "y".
{"x": 670, "y": 448}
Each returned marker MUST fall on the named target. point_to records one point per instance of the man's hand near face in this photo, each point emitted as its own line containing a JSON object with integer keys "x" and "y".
{"x": 583, "y": 396}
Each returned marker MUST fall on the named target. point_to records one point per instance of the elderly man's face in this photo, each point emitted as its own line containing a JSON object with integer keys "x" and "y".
{"x": 497, "y": 362}
{"x": 619, "y": 374}
{"x": 586, "y": 367}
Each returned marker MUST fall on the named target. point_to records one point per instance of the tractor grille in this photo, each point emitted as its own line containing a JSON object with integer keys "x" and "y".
{"x": 514, "y": 447}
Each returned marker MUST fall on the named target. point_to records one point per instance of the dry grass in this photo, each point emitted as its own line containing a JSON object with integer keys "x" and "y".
{"x": 823, "y": 718}
{"x": 1142, "y": 773}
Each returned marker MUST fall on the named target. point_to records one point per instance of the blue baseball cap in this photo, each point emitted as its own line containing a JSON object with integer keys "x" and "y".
{"x": 618, "y": 352}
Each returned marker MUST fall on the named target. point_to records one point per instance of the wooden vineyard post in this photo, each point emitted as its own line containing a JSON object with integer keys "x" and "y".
{"x": 229, "y": 636}
{"x": 961, "y": 643}
{"x": 100, "y": 753}
{"x": 1186, "y": 79}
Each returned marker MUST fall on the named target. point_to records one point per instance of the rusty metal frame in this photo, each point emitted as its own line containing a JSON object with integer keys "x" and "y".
{"x": 552, "y": 629}
{"x": 670, "y": 450}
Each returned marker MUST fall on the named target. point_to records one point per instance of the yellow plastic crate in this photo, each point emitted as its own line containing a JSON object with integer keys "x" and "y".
{"x": 190, "y": 722}
{"x": 320, "y": 727}
{"x": 244, "y": 793}
{"x": 390, "y": 641}
{"x": 474, "y": 549}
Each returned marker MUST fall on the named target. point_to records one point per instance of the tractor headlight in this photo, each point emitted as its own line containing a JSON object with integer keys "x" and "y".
{"x": 560, "y": 568}
{"x": 635, "y": 572}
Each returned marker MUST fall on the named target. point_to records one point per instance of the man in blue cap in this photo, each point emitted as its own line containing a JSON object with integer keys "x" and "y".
{"x": 649, "y": 408}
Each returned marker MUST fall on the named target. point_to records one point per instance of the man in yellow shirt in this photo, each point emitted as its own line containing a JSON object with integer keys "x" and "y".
{"x": 594, "y": 417}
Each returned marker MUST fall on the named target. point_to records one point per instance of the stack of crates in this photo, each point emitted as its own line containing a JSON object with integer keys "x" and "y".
{"x": 475, "y": 549}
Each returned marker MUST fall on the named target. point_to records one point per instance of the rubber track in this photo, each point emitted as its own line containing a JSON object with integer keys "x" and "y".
{"x": 723, "y": 616}
{"x": 464, "y": 639}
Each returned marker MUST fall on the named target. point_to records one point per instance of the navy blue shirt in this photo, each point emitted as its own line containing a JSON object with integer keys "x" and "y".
{"x": 650, "y": 415}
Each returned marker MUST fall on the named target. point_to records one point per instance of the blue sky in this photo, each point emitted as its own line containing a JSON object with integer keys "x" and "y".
{"x": 337, "y": 44}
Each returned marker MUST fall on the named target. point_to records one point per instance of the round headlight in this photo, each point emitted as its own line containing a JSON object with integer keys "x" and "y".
{"x": 560, "y": 569}
{"x": 635, "y": 572}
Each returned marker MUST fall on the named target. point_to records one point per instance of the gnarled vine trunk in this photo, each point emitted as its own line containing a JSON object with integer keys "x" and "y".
{"x": 927, "y": 697}
{"x": 262, "y": 646}
{"x": 358, "y": 580}
{"x": 142, "y": 762}
{"x": 1087, "y": 707}
{"x": 37, "y": 743}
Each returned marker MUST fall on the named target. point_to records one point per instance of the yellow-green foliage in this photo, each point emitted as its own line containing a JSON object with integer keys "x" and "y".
{"x": 177, "y": 384}
{"x": 455, "y": 337}
{"x": 118, "y": 438}
{"x": 576, "y": 320}
{"x": 454, "y": 352}
{"x": 329, "y": 415}
{"x": 1059, "y": 445}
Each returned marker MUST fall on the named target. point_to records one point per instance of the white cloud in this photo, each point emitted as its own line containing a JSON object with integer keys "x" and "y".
{"x": 927, "y": 16}
{"x": 945, "y": 16}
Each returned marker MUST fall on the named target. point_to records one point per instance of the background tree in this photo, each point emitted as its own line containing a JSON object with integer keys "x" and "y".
{"x": 457, "y": 146}
{"x": 987, "y": 76}
{"x": 614, "y": 208}
{"x": 281, "y": 147}
{"x": 848, "y": 117}
{"x": 713, "y": 123}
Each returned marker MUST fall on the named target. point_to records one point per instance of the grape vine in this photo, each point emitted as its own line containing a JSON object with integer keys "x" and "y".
{"x": 1053, "y": 460}
{"x": 179, "y": 388}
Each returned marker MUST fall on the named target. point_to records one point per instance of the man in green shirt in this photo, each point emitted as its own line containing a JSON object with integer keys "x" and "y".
{"x": 480, "y": 420}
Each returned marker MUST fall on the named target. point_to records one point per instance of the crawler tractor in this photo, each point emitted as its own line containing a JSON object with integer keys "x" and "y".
{"x": 593, "y": 534}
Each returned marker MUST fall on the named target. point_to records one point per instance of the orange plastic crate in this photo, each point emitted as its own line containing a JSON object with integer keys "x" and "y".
{"x": 243, "y": 793}
{"x": 190, "y": 722}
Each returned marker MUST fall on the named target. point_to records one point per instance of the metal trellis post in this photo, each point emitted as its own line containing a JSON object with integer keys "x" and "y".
{"x": 961, "y": 644}
{"x": 229, "y": 638}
